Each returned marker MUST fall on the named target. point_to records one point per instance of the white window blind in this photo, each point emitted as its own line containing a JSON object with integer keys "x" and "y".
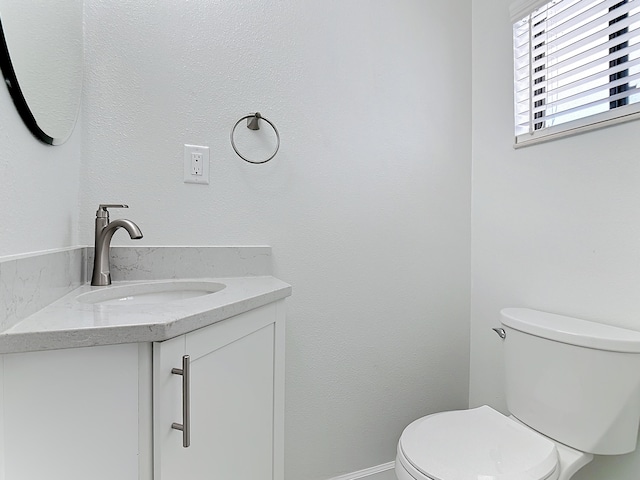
{"x": 576, "y": 66}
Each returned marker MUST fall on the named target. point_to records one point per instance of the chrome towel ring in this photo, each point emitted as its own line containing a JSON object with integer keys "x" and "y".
{"x": 253, "y": 123}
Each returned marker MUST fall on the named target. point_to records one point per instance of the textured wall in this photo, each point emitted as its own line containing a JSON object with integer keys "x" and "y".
{"x": 38, "y": 186}
{"x": 556, "y": 226}
{"x": 45, "y": 41}
{"x": 366, "y": 205}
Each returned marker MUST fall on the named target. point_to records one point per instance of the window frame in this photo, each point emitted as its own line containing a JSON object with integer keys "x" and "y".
{"x": 619, "y": 110}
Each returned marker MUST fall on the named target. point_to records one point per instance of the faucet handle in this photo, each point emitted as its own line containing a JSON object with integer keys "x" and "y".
{"x": 104, "y": 213}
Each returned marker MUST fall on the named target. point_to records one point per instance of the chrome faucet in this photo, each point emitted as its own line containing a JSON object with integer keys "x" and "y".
{"x": 104, "y": 233}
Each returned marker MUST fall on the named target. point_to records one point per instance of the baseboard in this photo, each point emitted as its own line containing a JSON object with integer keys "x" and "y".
{"x": 379, "y": 472}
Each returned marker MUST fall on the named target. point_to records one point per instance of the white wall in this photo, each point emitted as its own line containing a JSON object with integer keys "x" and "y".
{"x": 367, "y": 205}
{"x": 556, "y": 227}
{"x": 38, "y": 186}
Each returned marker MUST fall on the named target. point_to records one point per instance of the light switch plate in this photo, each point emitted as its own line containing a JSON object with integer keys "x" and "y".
{"x": 196, "y": 164}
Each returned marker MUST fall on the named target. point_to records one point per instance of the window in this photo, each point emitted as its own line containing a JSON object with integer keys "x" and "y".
{"x": 576, "y": 66}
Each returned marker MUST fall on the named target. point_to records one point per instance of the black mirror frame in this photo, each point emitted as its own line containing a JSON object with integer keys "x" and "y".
{"x": 20, "y": 102}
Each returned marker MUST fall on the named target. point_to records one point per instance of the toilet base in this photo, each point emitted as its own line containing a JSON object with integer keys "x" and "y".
{"x": 405, "y": 471}
{"x": 569, "y": 462}
{"x": 401, "y": 473}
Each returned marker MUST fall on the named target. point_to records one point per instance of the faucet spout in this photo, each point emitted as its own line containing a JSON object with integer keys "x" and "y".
{"x": 104, "y": 233}
{"x": 128, "y": 225}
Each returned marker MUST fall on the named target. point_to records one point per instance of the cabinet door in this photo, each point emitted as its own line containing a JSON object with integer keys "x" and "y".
{"x": 232, "y": 400}
{"x": 70, "y": 414}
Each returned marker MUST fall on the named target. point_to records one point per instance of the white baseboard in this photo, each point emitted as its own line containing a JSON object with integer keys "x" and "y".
{"x": 379, "y": 472}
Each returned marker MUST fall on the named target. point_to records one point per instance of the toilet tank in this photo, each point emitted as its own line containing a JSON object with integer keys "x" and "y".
{"x": 575, "y": 381}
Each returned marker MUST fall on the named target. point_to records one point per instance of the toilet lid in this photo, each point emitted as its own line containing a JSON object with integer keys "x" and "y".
{"x": 477, "y": 444}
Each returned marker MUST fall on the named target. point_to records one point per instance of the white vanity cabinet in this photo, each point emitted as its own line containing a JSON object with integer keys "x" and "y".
{"x": 106, "y": 412}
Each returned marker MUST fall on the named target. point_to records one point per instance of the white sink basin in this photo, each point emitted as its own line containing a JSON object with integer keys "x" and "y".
{"x": 150, "y": 293}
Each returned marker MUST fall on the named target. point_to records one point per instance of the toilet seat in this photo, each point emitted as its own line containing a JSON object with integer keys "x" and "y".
{"x": 476, "y": 444}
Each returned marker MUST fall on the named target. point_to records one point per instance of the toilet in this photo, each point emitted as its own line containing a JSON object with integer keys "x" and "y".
{"x": 572, "y": 389}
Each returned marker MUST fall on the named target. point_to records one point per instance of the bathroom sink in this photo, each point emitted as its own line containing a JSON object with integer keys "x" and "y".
{"x": 152, "y": 293}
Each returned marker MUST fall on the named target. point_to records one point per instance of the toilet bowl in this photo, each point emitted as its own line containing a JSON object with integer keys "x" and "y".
{"x": 555, "y": 367}
{"x": 481, "y": 444}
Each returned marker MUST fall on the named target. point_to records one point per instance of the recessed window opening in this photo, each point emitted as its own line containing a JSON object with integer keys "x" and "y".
{"x": 576, "y": 66}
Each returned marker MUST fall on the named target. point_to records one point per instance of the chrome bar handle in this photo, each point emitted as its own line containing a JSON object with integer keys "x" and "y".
{"x": 185, "y": 426}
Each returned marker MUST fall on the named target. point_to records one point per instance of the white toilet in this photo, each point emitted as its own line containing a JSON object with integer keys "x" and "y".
{"x": 573, "y": 390}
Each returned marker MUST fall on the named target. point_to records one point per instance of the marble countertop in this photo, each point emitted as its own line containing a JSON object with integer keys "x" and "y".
{"x": 68, "y": 323}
